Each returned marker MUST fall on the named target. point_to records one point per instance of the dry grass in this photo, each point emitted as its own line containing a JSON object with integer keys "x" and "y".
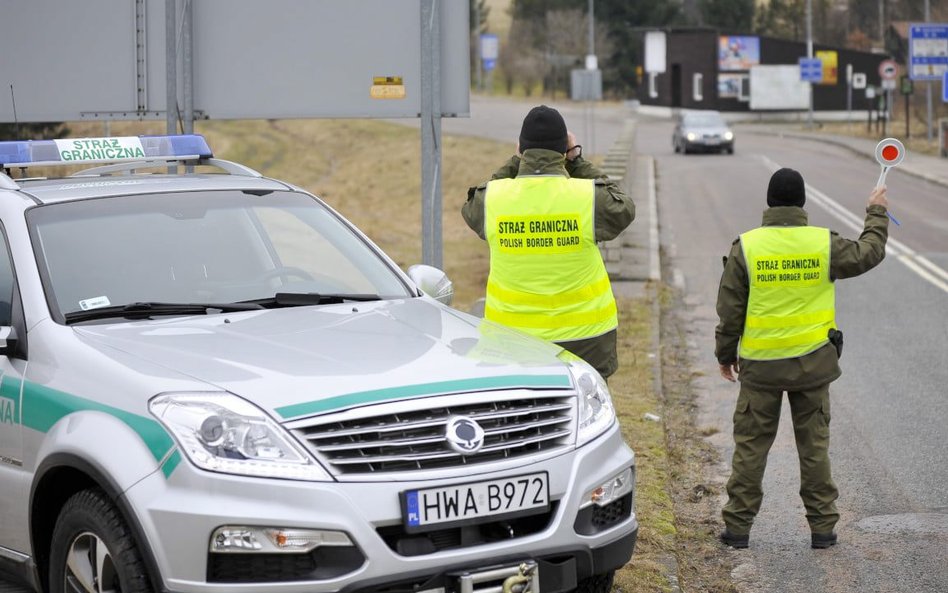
{"x": 917, "y": 142}
{"x": 703, "y": 564}
{"x": 632, "y": 391}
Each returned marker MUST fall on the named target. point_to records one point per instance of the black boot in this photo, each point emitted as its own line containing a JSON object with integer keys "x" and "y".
{"x": 733, "y": 540}
{"x": 821, "y": 541}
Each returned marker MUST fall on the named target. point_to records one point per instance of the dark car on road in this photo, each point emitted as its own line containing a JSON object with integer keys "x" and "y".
{"x": 702, "y": 131}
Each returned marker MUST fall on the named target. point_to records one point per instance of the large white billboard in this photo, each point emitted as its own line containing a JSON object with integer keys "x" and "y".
{"x": 105, "y": 59}
{"x": 778, "y": 87}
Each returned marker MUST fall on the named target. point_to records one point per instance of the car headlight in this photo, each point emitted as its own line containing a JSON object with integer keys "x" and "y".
{"x": 596, "y": 413}
{"x": 692, "y": 136}
{"x": 729, "y": 135}
{"x": 221, "y": 432}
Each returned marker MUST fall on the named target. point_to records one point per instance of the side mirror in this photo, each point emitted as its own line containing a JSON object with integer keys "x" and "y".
{"x": 7, "y": 340}
{"x": 433, "y": 282}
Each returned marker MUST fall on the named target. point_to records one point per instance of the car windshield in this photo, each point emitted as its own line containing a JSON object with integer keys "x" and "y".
{"x": 200, "y": 247}
{"x": 704, "y": 119}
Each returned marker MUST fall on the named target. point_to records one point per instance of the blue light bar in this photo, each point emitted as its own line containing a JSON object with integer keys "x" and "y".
{"x": 71, "y": 151}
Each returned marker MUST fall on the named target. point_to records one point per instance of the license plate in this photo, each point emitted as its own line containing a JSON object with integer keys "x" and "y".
{"x": 712, "y": 141}
{"x": 475, "y": 502}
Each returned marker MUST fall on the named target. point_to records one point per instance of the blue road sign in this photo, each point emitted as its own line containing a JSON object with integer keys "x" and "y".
{"x": 490, "y": 49}
{"x": 944, "y": 87}
{"x": 811, "y": 70}
{"x": 928, "y": 50}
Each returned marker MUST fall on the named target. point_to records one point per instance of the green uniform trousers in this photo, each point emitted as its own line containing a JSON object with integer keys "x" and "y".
{"x": 755, "y": 427}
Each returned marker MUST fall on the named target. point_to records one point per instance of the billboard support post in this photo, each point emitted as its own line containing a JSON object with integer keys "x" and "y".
{"x": 171, "y": 67}
{"x": 431, "y": 249}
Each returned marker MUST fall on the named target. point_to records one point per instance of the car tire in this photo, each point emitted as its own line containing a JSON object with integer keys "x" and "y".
{"x": 88, "y": 522}
{"x": 597, "y": 583}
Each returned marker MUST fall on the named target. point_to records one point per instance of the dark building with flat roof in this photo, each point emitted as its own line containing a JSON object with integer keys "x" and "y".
{"x": 706, "y": 69}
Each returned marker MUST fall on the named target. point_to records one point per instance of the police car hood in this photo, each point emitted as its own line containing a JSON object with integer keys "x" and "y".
{"x": 304, "y": 360}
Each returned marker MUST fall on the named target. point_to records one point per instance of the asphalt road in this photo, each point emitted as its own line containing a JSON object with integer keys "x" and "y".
{"x": 596, "y": 125}
{"x": 889, "y": 411}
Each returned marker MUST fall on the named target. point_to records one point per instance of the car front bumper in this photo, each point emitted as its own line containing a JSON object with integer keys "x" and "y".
{"x": 175, "y": 517}
{"x": 703, "y": 146}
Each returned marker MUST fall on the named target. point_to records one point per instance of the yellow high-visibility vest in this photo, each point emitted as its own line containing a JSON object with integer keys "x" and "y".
{"x": 792, "y": 302}
{"x": 546, "y": 277}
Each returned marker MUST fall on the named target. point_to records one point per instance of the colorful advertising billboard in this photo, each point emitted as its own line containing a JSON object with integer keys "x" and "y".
{"x": 830, "y": 61}
{"x": 738, "y": 53}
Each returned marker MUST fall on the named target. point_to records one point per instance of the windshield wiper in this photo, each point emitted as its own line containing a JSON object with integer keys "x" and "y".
{"x": 302, "y": 299}
{"x": 144, "y": 310}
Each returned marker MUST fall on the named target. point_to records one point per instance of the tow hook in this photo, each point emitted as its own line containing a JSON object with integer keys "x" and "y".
{"x": 520, "y": 583}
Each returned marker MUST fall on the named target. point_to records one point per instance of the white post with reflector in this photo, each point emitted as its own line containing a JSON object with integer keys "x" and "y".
{"x": 889, "y": 153}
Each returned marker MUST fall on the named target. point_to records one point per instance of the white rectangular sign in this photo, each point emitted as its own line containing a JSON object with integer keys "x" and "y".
{"x": 778, "y": 87}
{"x": 655, "y": 52}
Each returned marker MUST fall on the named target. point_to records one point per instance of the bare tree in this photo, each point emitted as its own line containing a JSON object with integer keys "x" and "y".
{"x": 523, "y": 61}
{"x": 567, "y": 43}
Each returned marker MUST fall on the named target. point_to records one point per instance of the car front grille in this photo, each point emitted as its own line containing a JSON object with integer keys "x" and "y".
{"x": 378, "y": 439}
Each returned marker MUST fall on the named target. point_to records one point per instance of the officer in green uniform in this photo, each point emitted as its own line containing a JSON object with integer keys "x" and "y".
{"x": 777, "y": 329}
{"x": 542, "y": 214}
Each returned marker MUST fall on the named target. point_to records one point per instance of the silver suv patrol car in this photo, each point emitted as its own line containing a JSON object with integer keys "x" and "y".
{"x": 213, "y": 382}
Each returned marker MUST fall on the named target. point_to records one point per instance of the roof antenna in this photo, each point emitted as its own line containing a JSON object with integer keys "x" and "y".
{"x": 16, "y": 122}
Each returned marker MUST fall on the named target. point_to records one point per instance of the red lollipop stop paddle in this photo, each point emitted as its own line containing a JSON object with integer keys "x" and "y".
{"x": 889, "y": 153}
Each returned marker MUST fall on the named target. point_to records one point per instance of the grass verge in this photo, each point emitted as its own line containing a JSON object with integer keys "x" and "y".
{"x": 703, "y": 563}
{"x": 634, "y": 397}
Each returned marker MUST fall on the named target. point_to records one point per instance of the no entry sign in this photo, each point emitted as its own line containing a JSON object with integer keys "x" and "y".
{"x": 888, "y": 69}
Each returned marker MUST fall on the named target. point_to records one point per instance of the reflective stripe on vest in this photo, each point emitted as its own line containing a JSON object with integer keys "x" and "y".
{"x": 547, "y": 277}
{"x": 792, "y": 301}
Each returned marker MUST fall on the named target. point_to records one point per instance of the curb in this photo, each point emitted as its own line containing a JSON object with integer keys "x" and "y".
{"x": 909, "y": 169}
{"x": 620, "y": 161}
{"x": 653, "y": 287}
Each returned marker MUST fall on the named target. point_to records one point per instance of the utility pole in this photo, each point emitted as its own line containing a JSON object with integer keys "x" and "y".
{"x": 882, "y": 22}
{"x": 592, "y": 63}
{"x": 592, "y": 29}
{"x": 928, "y": 86}
{"x": 809, "y": 54}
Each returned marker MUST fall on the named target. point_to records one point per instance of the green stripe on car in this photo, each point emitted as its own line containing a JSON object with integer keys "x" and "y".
{"x": 172, "y": 462}
{"x": 424, "y": 389}
{"x": 43, "y": 407}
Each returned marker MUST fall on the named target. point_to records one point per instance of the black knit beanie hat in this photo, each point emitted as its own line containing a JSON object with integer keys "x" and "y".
{"x": 544, "y": 128}
{"x": 786, "y": 189}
